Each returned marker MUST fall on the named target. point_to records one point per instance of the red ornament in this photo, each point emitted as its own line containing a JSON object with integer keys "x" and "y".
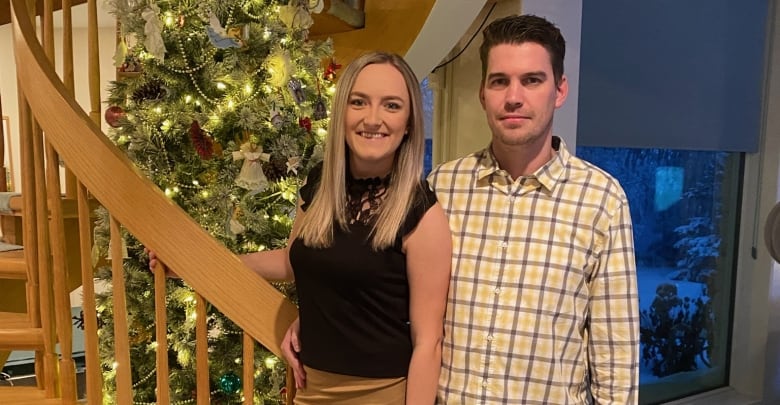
{"x": 202, "y": 142}
{"x": 330, "y": 71}
{"x": 113, "y": 115}
{"x": 305, "y": 123}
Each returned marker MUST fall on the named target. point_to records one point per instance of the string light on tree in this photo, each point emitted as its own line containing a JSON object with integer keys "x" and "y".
{"x": 181, "y": 117}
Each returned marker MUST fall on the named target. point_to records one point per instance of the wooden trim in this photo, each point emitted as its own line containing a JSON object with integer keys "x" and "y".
{"x": 7, "y": 152}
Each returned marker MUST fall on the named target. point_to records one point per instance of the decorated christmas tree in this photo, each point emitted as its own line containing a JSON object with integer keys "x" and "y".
{"x": 223, "y": 104}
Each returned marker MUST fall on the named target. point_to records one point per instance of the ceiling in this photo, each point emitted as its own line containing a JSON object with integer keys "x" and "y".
{"x": 388, "y": 25}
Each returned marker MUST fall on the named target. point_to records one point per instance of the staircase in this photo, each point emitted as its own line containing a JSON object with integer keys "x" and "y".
{"x": 26, "y": 312}
{"x": 26, "y": 396}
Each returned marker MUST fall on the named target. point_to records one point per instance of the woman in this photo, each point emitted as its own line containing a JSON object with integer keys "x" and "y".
{"x": 369, "y": 249}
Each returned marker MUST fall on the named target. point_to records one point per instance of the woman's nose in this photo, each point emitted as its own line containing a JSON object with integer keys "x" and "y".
{"x": 373, "y": 117}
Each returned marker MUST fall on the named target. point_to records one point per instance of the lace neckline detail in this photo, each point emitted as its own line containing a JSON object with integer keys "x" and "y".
{"x": 364, "y": 196}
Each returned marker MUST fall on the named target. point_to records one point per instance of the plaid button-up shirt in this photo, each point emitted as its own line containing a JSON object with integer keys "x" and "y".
{"x": 543, "y": 304}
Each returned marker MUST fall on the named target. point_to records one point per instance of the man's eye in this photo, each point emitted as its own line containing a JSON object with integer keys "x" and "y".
{"x": 532, "y": 80}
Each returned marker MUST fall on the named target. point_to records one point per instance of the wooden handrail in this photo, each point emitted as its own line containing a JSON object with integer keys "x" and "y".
{"x": 139, "y": 205}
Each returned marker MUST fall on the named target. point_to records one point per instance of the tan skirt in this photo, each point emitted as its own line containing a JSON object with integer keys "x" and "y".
{"x": 337, "y": 389}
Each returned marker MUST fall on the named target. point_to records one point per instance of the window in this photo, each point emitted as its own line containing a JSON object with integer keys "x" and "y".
{"x": 684, "y": 207}
{"x": 427, "y": 95}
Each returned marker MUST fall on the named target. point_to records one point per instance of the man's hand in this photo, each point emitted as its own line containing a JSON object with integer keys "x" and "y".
{"x": 291, "y": 346}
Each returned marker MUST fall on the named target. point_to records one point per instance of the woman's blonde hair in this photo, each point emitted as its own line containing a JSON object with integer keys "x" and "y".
{"x": 330, "y": 200}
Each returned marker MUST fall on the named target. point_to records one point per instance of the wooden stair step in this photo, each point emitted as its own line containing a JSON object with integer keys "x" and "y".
{"x": 13, "y": 265}
{"x": 14, "y": 320}
{"x": 21, "y": 339}
{"x": 26, "y": 396}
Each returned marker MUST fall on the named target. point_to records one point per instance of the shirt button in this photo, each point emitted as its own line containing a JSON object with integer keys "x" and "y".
{"x": 489, "y": 338}
{"x": 497, "y": 291}
{"x": 484, "y": 383}
{"x": 504, "y": 245}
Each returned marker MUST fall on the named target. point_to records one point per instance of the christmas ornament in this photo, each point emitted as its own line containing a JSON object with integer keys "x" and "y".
{"x": 330, "y": 71}
{"x": 278, "y": 67}
{"x": 203, "y": 143}
{"x": 251, "y": 176}
{"x": 296, "y": 16}
{"x": 296, "y": 88}
{"x": 236, "y": 228}
{"x": 320, "y": 111}
{"x": 230, "y": 383}
{"x": 131, "y": 64}
{"x": 152, "y": 90}
{"x": 276, "y": 118}
{"x": 305, "y": 122}
{"x": 153, "y": 30}
{"x": 114, "y": 115}
{"x": 218, "y": 36}
{"x": 293, "y": 163}
{"x": 276, "y": 169}
{"x": 121, "y": 52}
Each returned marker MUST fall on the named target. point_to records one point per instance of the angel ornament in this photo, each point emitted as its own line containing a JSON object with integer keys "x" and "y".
{"x": 153, "y": 30}
{"x": 251, "y": 176}
{"x": 234, "y": 227}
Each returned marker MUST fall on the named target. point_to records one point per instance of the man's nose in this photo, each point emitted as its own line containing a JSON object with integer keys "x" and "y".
{"x": 514, "y": 95}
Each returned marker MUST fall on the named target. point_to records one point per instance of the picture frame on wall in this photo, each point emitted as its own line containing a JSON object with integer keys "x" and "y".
{"x": 7, "y": 152}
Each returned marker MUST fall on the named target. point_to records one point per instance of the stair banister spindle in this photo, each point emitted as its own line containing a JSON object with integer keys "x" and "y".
{"x": 201, "y": 351}
{"x": 248, "y": 368}
{"x": 161, "y": 330}
{"x": 94, "y": 377}
{"x": 124, "y": 385}
{"x": 62, "y": 313}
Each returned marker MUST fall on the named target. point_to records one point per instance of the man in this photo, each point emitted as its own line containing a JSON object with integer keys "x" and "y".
{"x": 543, "y": 304}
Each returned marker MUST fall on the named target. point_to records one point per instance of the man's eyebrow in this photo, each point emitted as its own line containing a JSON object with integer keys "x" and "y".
{"x": 539, "y": 73}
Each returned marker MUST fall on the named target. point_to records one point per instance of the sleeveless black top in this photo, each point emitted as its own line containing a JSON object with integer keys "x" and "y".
{"x": 354, "y": 301}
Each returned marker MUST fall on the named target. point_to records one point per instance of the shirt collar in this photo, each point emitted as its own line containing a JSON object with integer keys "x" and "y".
{"x": 547, "y": 175}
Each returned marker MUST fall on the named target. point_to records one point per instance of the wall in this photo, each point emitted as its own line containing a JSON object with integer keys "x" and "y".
{"x": 461, "y": 127}
{"x": 8, "y": 89}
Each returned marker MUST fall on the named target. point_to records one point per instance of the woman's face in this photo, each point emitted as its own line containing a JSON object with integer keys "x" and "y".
{"x": 376, "y": 120}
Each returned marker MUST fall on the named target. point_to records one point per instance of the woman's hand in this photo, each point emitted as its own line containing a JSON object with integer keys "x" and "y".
{"x": 155, "y": 264}
{"x": 291, "y": 346}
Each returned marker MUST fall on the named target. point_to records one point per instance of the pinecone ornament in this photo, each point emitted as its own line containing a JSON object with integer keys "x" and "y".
{"x": 276, "y": 168}
{"x": 153, "y": 90}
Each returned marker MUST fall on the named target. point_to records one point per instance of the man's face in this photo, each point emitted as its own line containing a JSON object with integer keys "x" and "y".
{"x": 519, "y": 94}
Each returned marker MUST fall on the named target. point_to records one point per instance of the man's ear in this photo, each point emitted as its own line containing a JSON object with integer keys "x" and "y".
{"x": 482, "y": 94}
{"x": 562, "y": 92}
